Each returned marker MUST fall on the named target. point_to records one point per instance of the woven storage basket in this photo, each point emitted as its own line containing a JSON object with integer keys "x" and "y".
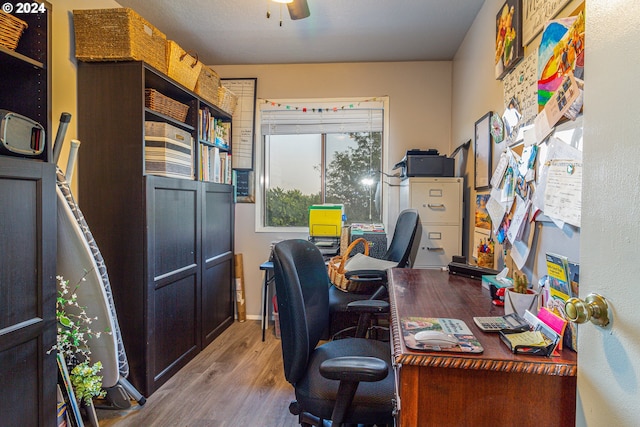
{"x": 336, "y": 269}
{"x": 182, "y": 67}
{"x": 207, "y": 85}
{"x": 11, "y": 29}
{"x": 227, "y": 100}
{"x": 156, "y": 101}
{"x": 118, "y": 34}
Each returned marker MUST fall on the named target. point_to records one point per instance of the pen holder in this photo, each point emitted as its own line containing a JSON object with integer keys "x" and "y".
{"x": 519, "y": 303}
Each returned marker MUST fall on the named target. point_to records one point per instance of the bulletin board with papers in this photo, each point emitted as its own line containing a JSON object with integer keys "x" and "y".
{"x": 536, "y": 182}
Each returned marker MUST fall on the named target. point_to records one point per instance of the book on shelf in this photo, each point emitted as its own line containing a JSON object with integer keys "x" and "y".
{"x": 222, "y": 133}
{"x": 215, "y": 165}
{"x": 206, "y": 123}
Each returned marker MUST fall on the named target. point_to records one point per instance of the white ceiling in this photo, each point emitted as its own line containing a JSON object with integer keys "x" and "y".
{"x": 225, "y": 32}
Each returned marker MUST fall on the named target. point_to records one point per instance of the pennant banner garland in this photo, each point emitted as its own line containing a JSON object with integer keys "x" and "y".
{"x": 315, "y": 109}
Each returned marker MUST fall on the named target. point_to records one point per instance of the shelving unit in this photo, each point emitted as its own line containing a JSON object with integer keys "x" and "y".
{"x": 25, "y": 75}
{"x": 28, "y": 375}
{"x": 167, "y": 242}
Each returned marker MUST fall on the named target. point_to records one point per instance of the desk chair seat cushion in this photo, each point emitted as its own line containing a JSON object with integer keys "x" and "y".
{"x": 339, "y": 299}
{"x": 371, "y": 403}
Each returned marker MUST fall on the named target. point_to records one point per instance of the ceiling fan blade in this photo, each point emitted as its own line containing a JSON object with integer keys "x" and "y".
{"x": 298, "y": 9}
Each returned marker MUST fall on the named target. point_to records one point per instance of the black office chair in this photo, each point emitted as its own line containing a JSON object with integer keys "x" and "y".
{"x": 403, "y": 250}
{"x": 345, "y": 381}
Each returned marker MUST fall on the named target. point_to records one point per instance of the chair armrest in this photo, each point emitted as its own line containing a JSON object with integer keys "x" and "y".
{"x": 366, "y": 275}
{"x": 354, "y": 368}
{"x": 368, "y": 306}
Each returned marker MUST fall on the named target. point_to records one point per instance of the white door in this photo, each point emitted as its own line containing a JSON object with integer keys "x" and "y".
{"x": 608, "y": 359}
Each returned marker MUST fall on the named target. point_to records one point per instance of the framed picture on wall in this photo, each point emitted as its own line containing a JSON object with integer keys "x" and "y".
{"x": 483, "y": 152}
{"x": 509, "y": 50}
{"x": 243, "y": 181}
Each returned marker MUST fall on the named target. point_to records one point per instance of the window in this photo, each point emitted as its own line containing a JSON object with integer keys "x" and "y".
{"x": 313, "y": 155}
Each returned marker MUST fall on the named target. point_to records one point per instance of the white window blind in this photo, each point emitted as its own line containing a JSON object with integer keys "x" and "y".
{"x": 321, "y": 117}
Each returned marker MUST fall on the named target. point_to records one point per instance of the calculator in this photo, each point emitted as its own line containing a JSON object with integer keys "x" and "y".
{"x": 508, "y": 323}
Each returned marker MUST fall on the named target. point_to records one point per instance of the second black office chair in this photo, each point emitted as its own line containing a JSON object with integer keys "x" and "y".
{"x": 402, "y": 250}
{"x": 346, "y": 381}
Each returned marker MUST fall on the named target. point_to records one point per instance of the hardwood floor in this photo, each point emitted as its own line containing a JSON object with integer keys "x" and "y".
{"x": 238, "y": 380}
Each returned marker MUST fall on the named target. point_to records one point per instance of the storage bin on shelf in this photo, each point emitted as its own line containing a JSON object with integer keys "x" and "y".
{"x": 207, "y": 85}
{"x": 11, "y": 29}
{"x": 227, "y": 100}
{"x": 183, "y": 67}
{"x": 160, "y": 103}
{"x": 118, "y": 34}
{"x": 168, "y": 151}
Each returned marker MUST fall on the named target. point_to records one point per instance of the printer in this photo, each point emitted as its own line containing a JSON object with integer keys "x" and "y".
{"x": 425, "y": 163}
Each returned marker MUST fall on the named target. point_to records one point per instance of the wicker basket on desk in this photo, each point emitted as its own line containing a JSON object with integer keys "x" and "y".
{"x": 11, "y": 29}
{"x": 160, "y": 103}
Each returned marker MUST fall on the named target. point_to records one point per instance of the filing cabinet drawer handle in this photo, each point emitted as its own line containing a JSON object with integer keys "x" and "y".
{"x": 430, "y": 249}
{"x": 436, "y": 206}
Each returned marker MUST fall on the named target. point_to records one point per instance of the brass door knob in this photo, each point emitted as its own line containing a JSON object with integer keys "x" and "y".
{"x": 594, "y": 308}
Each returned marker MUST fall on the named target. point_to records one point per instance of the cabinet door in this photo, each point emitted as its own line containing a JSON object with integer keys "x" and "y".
{"x": 173, "y": 266}
{"x": 439, "y": 243}
{"x": 27, "y": 293}
{"x": 217, "y": 262}
{"x": 437, "y": 201}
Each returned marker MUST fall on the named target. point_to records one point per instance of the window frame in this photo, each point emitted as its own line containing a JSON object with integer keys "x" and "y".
{"x": 260, "y": 158}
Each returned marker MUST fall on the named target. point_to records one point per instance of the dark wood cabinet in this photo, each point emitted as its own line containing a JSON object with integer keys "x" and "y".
{"x": 167, "y": 242}
{"x": 28, "y": 374}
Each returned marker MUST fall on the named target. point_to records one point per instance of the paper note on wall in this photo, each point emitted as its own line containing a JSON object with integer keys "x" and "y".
{"x": 522, "y": 85}
{"x": 563, "y": 194}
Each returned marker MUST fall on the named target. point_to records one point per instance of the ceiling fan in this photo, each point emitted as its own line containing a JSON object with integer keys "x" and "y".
{"x": 298, "y": 9}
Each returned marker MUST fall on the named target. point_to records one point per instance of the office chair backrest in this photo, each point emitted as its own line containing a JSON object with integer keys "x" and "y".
{"x": 302, "y": 288}
{"x": 403, "y": 242}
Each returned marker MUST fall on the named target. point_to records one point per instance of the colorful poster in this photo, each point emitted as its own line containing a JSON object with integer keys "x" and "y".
{"x": 561, "y": 53}
{"x": 509, "y": 50}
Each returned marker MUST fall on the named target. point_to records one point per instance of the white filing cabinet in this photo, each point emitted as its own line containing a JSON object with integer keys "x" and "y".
{"x": 439, "y": 203}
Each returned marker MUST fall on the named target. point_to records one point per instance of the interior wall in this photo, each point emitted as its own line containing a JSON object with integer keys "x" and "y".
{"x": 64, "y": 69}
{"x": 420, "y": 117}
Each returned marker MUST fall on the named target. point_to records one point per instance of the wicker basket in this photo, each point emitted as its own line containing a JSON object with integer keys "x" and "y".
{"x": 336, "y": 269}
{"x": 227, "y": 100}
{"x": 11, "y": 29}
{"x": 118, "y": 34}
{"x": 183, "y": 67}
{"x": 160, "y": 103}
{"x": 208, "y": 84}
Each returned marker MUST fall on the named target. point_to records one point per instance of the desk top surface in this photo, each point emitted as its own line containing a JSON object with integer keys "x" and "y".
{"x": 435, "y": 293}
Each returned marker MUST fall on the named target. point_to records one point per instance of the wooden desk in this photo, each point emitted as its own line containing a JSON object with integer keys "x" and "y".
{"x": 495, "y": 388}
